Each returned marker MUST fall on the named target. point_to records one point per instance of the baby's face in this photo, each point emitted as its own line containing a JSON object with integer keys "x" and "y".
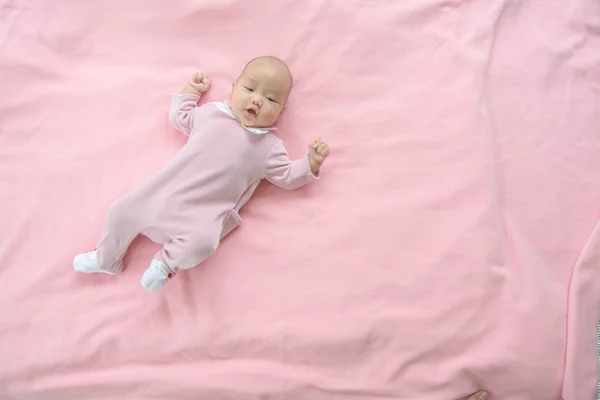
{"x": 259, "y": 95}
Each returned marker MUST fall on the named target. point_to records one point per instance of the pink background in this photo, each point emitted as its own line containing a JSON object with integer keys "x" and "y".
{"x": 449, "y": 246}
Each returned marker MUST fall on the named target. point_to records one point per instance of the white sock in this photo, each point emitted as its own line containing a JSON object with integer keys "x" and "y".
{"x": 156, "y": 276}
{"x": 88, "y": 263}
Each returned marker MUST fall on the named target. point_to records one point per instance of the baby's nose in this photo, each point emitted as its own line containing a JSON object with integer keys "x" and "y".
{"x": 256, "y": 102}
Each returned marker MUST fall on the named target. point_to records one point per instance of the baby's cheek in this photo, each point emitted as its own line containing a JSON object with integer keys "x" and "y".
{"x": 270, "y": 115}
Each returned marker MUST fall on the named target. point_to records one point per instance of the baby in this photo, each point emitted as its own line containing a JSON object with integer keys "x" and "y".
{"x": 193, "y": 202}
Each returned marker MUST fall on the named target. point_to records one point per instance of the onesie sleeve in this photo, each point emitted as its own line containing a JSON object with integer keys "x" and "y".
{"x": 181, "y": 115}
{"x": 285, "y": 173}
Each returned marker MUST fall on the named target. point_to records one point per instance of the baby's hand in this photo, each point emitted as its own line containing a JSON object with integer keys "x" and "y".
{"x": 200, "y": 82}
{"x": 318, "y": 152}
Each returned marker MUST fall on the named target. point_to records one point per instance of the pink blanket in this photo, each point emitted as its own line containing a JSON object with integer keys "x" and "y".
{"x": 450, "y": 245}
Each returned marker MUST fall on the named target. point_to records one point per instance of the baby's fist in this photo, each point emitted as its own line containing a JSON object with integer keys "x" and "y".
{"x": 200, "y": 82}
{"x": 318, "y": 151}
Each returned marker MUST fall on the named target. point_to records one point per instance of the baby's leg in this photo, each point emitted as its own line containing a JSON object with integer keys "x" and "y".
{"x": 123, "y": 223}
{"x": 121, "y": 226}
{"x": 180, "y": 254}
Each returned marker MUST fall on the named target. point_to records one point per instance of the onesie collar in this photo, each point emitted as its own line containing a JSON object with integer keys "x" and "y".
{"x": 225, "y": 108}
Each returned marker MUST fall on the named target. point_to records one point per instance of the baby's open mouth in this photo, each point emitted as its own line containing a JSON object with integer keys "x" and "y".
{"x": 252, "y": 111}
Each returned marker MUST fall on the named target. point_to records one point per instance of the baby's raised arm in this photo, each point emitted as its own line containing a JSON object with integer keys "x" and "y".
{"x": 288, "y": 174}
{"x": 181, "y": 115}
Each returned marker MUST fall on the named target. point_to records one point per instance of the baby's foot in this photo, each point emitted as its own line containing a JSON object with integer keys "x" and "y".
{"x": 88, "y": 263}
{"x": 156, "y": 276}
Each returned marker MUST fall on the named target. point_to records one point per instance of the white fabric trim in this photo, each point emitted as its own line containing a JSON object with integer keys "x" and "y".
{"x": 226, "y": 109}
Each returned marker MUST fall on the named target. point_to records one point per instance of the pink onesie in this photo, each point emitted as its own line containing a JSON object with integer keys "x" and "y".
{"x": 194, "y": 200}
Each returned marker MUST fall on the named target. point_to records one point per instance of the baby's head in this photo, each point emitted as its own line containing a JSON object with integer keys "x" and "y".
{"x": 261, "y": 91}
